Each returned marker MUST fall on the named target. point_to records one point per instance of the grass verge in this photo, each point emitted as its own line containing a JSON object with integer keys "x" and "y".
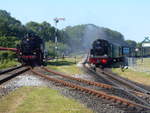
{"x": 8, "y": 63}
{"x": 67, "y": 65}
{"x": 140, "y": 77}
{"x": 39, "y": 100}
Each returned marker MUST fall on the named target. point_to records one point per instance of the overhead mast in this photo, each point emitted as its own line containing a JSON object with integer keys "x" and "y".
{"x": 56, "y": 20}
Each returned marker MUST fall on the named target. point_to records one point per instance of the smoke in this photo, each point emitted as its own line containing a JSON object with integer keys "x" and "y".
{"x": 93, "y": 32}
{"x": 82, "y": 36}
{"x": 89, "y": 35}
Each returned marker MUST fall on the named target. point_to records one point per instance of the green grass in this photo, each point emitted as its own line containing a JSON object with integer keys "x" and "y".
{"x": 140, "y": 77}
{"x": 139, "y": 74}
{"x": 8, "y": 63}
{"x": 67, "y": 65}
{"x": 39, "y": 100}
{"x": 145, "y": 65}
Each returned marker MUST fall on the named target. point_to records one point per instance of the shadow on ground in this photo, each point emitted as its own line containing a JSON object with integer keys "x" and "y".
{"x": 60, "y": 63}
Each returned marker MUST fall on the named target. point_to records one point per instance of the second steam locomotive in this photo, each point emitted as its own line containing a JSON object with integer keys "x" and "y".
{"x": 105, "y": 54}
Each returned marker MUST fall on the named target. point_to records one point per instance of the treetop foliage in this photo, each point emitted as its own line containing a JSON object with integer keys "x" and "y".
{"x": 71, "y": 39}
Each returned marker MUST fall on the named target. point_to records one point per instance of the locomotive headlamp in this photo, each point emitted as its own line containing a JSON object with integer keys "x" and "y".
{"x": 136, "y": 49}
{"x": 104, "y": 61}
{"x": 114, "y": 60}
{"x": 34, "y": 53}
{"x": 20, "y": 53}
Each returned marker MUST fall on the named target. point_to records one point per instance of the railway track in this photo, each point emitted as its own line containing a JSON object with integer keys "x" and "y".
{"x": 137, "y": 92}
{"x": 10, "y": 69}
{"x": 119, "y": 81}
{"x": 11, "y": 73}
{"x": 123, "y": 82}
{"x": 133, "y": 106}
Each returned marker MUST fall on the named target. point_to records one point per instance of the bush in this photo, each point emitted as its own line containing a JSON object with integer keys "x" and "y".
{"x": 7, "y": 55}
{"x": 8, "y": 41}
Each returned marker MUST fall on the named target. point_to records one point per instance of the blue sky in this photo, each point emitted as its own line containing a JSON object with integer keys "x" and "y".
{"x": 130, "y": 17}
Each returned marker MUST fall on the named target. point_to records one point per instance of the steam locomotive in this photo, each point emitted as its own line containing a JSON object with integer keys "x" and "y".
{"x": 105, "y": 54}
{"x": 30, "y": 51}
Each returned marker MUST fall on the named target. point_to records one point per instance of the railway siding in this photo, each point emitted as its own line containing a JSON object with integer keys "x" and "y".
{"x": 90, "y": 91}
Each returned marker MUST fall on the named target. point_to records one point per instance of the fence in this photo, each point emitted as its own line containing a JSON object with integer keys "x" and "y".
{"x": 139, "y": 64}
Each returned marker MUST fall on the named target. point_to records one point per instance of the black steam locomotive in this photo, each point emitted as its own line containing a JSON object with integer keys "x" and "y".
{"x": 105, "y": 54}
{"x": 31, "y": 50}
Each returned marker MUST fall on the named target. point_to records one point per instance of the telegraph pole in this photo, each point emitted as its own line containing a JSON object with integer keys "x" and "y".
{"x": 56, "y": 20}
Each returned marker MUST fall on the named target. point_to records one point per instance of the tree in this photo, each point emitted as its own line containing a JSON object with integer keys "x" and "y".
{"x": 44, "y": 30}
{"x": 9, "y": 26}
{"x": 51, "y": 50}
{"x": 131, "y": 43}
{"x": 8, "y": 41}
